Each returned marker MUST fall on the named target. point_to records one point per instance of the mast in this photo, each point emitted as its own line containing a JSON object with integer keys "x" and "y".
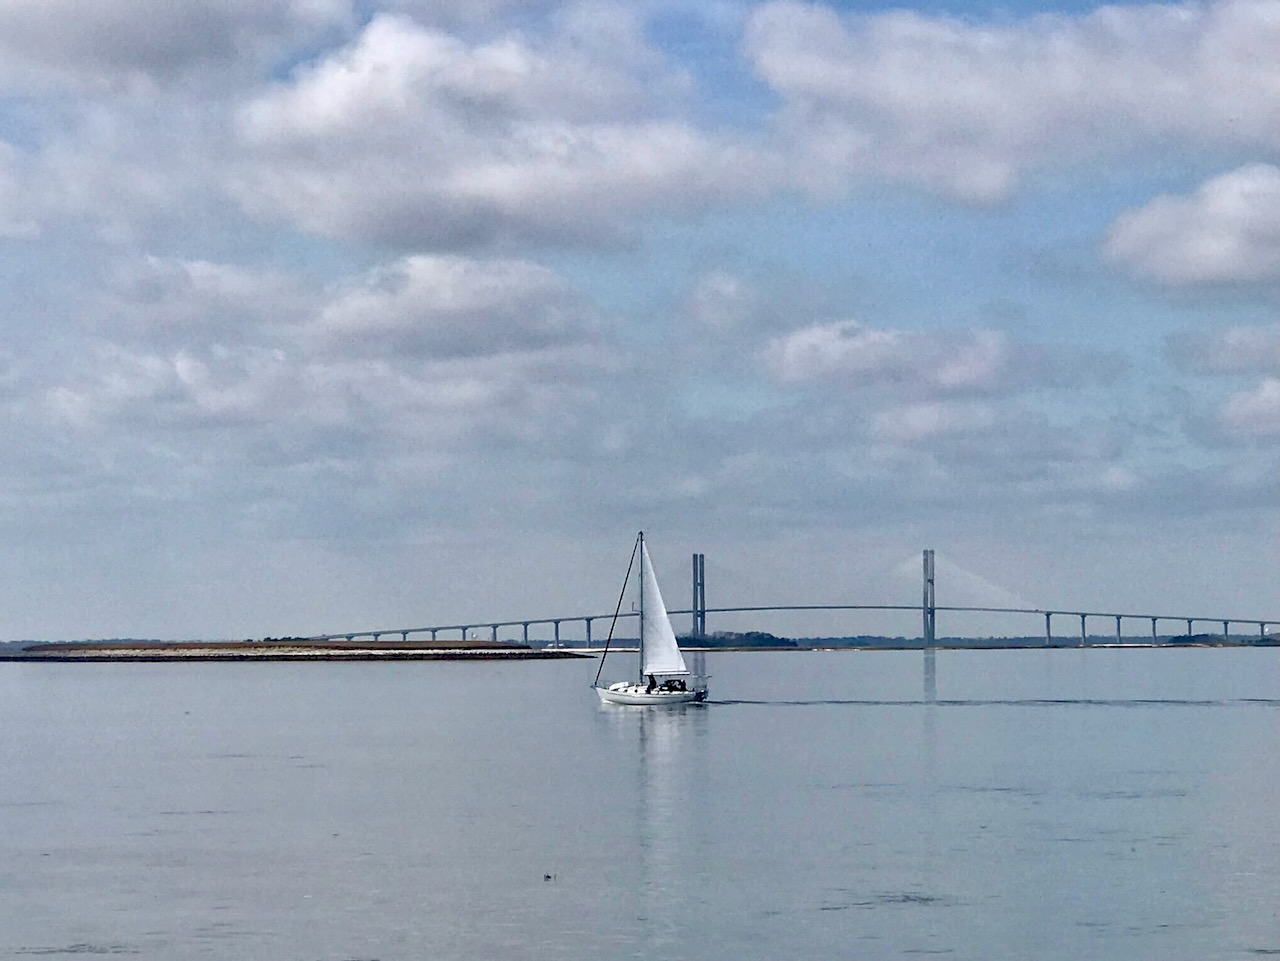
{"x": 640, "y": 650}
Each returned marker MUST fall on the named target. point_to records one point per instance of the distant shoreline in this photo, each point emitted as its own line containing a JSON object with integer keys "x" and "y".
{"x": 283, "y": 650}
{"x": 298, "y": 649}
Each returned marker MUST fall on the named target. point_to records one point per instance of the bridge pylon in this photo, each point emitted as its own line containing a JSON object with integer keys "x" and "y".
{"x": 928, "y": 605}
{"x": 698, "y": 608}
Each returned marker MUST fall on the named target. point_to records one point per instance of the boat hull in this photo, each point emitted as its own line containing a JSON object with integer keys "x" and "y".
{"x": 636, "y": 694}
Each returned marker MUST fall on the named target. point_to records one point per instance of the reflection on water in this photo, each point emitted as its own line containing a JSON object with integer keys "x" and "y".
{"x": 662, "y": 744}
{"x": 663, "y": 775}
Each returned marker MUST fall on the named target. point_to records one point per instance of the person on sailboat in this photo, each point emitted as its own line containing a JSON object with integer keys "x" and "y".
{"x": 652, "y": 685}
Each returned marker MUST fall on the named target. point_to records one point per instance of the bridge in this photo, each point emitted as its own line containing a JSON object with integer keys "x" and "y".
{"x": 928, "y": 610}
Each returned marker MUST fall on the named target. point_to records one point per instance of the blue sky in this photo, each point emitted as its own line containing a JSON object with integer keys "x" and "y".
{"x": 325, "y": 316}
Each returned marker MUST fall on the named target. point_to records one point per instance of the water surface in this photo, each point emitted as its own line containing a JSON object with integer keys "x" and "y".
{"x": 1102, "y": 804}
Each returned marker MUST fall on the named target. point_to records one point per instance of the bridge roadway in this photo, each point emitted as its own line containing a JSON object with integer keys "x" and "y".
{"x": 588, "y": 620}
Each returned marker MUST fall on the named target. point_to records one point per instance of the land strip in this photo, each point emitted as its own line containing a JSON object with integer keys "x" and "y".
{"x": 283, "y": 650}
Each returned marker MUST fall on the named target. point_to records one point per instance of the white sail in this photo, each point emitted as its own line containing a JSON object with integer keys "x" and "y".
{"x": 658, "y": 640}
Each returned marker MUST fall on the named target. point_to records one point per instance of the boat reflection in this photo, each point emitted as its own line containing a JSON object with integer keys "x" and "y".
{"x": 664, "y": 747}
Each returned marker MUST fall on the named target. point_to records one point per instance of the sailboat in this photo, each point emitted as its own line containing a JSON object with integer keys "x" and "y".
{"x": 663, "y": 677}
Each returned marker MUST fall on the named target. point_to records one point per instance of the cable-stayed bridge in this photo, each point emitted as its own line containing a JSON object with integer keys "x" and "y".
{"x": 1249, "y": 629}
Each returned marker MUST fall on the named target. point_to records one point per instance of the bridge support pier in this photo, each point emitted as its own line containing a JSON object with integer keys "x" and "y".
{"x": 587, "y": 621}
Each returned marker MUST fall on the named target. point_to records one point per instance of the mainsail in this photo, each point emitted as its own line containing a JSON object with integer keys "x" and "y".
{"x": 657, "y": 640}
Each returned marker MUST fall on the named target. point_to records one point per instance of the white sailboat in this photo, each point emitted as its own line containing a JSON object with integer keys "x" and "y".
{"x": 663, "y": 677}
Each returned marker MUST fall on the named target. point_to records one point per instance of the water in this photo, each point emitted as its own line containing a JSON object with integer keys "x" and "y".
{"x": 1031, "y": 804}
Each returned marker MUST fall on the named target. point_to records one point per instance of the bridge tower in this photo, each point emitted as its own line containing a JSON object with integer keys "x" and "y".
{"x": 699, "y": 605}
{"x": 928, "y": 606}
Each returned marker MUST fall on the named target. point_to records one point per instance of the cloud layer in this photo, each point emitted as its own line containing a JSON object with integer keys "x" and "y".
{"x": 343, "y": 281}
{"x": 412, "y": 136}
{"x": 972, "y": 108}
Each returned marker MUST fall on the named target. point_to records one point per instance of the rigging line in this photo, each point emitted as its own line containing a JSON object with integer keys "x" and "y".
{"x": 621, "y": 594}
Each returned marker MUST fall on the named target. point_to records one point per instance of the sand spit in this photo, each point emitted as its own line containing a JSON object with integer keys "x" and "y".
{"x": 284, "y": 650}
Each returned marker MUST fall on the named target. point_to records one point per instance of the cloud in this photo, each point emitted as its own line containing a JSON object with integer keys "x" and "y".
{"x": 941, "y": 363}
{"x": 282, "y": 271}
{"x": 467, "y": 11}
{"x": 440, "y": 351}
{"x": 171, "y": 300}
{"x": 913, "y": 423}
{"x": 1236, "y": 350}
{"x": 721, "y": 300}
{"x": 181, "y": 389}
{"x": 446, "y": 307}
{"x": 16, "y": 217}
{"x": 136, "y": 170}
{"x": 103, "y": 43}
{"x": 1227, "y": 231}
{"x": 1254, "y": 412}
{"x": 969, "y": 108}
{"x": 413, "y": 136}
{"x": 1250, "y": 413}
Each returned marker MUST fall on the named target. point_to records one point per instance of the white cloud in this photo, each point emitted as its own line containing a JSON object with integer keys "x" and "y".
{"x": 217, "y": 405}
{"x": 162, "y": 299}
{"x": 1235, "y": 352}
{"x": 1254, "y": 412}
{"x": 129, "y": 167}
{"x": 434, "y": 354}
{"x": 914, "y": 423}
{"x": 454, "y": 307}
{"x": 1228, "y": 230}
{"x": 179, "y": 389}
{"x": 969, "y": 108}
{"x": 413, "y": 136}
{"x": 397, "y": 69}
{"x": 844, "y": 348}
{"x": 937, "y": 363}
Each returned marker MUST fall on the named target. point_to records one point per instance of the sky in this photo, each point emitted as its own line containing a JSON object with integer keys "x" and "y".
{"x": 330, "y": 315}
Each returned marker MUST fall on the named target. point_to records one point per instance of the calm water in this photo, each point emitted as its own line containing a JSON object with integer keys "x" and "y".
{"x": 1031, "y": 805}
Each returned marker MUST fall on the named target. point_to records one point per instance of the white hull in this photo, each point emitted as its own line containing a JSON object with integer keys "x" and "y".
{"x": 623, "y": 693}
